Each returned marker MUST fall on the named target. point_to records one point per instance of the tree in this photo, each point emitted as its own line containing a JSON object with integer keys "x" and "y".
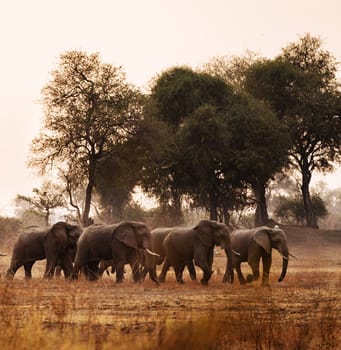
{"x": 291, "y": 209}
{"x": 232, "y": 69}
{"x": 220, "y": 144}
{"x": 259, "y": 147}
{"x": 300, "y": 85}
{"x": 89, "y": 110}
{"x": 175, "y": 97}
{"x": 204, "y": 164}
{"x": 44, "y": 200}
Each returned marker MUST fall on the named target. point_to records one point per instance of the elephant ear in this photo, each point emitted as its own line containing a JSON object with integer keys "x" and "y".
{"x": 204, "y": 232}
{"x": 262, "y": 238}
{"x": 59, "y": 233}
{"x": 125, "y": 233}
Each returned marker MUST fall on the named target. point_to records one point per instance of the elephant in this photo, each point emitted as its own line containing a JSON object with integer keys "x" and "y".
{"x": 55, "y": 244}
{"x": 104, "y": 265}
{"x": 184, "y": 244}
{"x": 252, "y": 244}
{"x": 120, "y": 242}
{"x": 158, "y": 236}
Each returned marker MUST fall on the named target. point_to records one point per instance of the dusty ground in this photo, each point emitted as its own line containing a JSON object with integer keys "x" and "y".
{"x": 311, "y": 288}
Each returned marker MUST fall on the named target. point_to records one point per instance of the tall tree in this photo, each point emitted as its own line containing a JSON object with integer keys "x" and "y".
{"x": 175, "y": 96}
{"x": 259, "y": 145}
{"x": 89, "y": 110}
{"x": 301, "y": 87}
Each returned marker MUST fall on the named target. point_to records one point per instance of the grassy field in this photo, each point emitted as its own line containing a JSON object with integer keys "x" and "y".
{"x": 302, "y": 312}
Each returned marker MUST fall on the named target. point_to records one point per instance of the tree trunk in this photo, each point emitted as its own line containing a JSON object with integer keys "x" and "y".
{"x": 88, "y": 194}
{"x": 213, "y": 208}
{"x": 261, "y": 215}
{"x": 308, "y": 209}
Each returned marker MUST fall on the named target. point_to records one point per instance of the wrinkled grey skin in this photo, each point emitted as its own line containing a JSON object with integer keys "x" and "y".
{"x": 55, "y": 244}
{"x": 255, "y": 244}
{"x": 196, "y": 243}
{"x": 104, "y": 265}
{"x": 58, "y": 269}
{"x": 158, "y": 236}
{"x": 119, "y": 242}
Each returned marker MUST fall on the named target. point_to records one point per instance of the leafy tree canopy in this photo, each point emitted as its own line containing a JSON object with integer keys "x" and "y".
{"x": 300, "y": 85}
{"x": 89, "y": 110}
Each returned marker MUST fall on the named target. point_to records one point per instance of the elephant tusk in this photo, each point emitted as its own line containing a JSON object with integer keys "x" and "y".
{"x": 293, "y": 255}
{"x": 284, "y": 257}
{"x": 152, "y": 253}
{"x": 235, "y": 252}
{"x": 2, "y": 254}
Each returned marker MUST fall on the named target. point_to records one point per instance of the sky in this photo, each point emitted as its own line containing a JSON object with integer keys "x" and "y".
{"x": 145, "y": 37}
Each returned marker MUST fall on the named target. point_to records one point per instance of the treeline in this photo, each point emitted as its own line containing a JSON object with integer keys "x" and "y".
{"x": 211, "y": 138}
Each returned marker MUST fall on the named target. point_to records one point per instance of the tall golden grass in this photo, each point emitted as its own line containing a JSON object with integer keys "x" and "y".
{"x": 301, "y": 313}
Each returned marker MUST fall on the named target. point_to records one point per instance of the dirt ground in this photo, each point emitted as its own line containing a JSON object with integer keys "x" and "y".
{"x": 312, "y": 287}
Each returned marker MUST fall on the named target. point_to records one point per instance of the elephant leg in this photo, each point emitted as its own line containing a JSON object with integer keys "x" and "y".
{"x": 200, "y": 260}
{"x": 191, "y": 270}
{"x": 66, "y": 265}
{"x": 210, "y": 255}
{"x": 75, "y": 272}
{"x": 58, "y": 271}
{"x": 143, "y": 273}
{"x": 50, "y": 267}
{"x": 254, "y": 264}
{"x": 267, "y": 260}
{"x": 179, "y": 269}
{"x": 227, "y": 276}
{"x": 93, "y": 271}
{"x": 239, "y": 273}
{"x": 165, "y": 267}
{"x": 28, "y": 269}
{"x": 135, "y": 271}
{"x": 119, "y": 271}
{"x": 12, "y": 270}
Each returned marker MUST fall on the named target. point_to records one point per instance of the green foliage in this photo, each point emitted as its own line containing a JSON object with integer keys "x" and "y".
{"x": 177, "y": 97}
{"x": 300, "y": 85}
{"x": 179, "y": 91}
{"x": 89, "y": 110}
{"x": 206, "y": 153}
{"x": 291, "y": 209}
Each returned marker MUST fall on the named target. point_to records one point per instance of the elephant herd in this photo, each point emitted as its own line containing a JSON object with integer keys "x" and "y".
{"x": 91, "y": 251}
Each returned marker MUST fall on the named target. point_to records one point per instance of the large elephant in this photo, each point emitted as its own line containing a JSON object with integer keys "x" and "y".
{"x": 120, "y": 242}
{"x": 184, "y": 244}
{"x": 253, "y": 244}
{"x": 158, "y": 236}
{"x": 55, "y": 244}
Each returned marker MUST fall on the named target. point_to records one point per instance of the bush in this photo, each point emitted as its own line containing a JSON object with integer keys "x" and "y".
{"x": 290, "y": 210}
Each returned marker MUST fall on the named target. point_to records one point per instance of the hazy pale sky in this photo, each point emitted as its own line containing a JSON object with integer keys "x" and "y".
{"x": 145, "y": 37}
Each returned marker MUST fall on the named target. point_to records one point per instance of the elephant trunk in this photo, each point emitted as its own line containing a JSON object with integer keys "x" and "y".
{"x": 229, "y": 263}
{"x": 149, "y": 264}
{"x": 285, "y": 260}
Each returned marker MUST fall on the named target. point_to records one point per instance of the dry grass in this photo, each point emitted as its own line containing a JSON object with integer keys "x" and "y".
{"x": 302, "y": 312}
